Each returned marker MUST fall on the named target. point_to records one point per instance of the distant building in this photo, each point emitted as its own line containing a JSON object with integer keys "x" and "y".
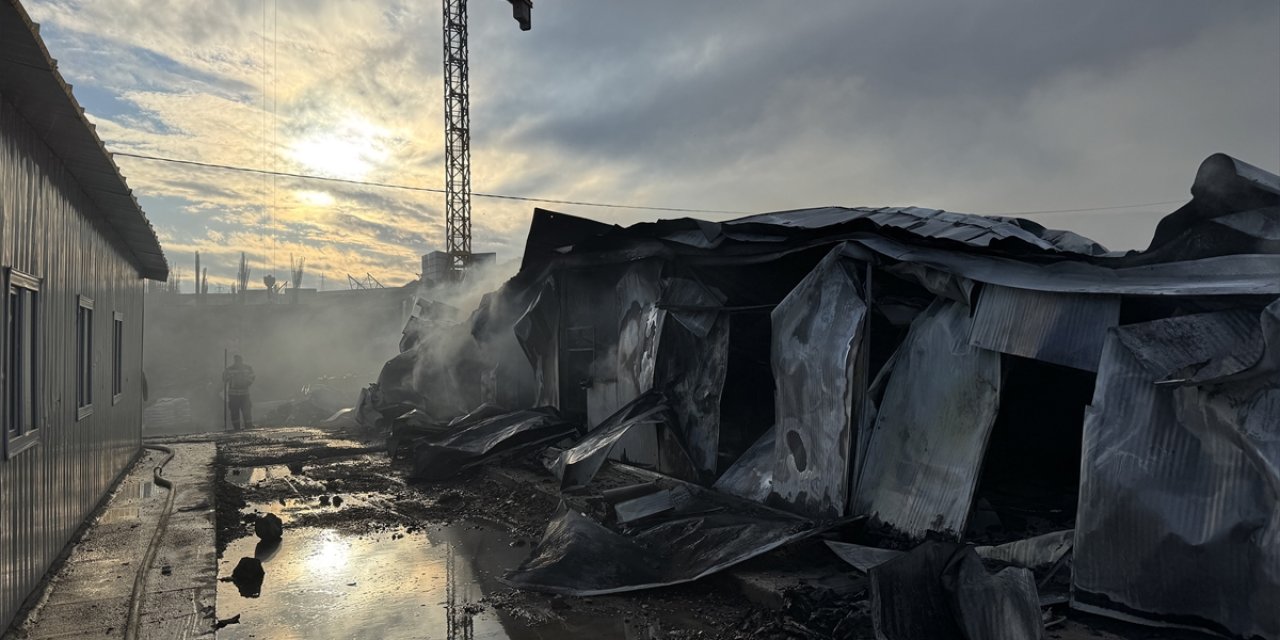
{"x": 437, "y": 267}
{"x": 74, "y": 251}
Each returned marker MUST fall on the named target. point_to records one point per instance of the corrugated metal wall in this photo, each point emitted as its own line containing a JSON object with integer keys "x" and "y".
{"x": 45, "y": 230}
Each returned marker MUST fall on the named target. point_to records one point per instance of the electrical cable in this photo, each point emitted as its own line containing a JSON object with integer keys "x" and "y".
{"x": 140, "y": 581}
{"x": 405, "y": 187}
{"x": 609, "y": 205}
{"x": 1110, "y": 208}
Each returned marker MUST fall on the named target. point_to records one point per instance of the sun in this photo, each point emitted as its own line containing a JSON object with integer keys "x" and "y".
{"x": 350, "y": 150}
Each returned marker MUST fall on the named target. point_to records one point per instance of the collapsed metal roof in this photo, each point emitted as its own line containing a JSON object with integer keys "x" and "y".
{"x": 938, "y": 374}
{"x": 29, "y": 79}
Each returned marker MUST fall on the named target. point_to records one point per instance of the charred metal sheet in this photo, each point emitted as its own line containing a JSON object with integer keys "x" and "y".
{"x": 639, "y": 325}
{"x": 646, "y": 506}
{"x": 862, "y": 557}
{"x": 538, "y": 335}
{"x": 1222, "y": 275}
{"x": 751, "y": 477}
{"x": 939, "y": 283}
{"x": 925, "y": 451}
{"x": 577, "y": 465}
{"x": 580, "y": 557}
{"x": 971, "y": 230}
{"x": 1223, "y": 185}
{"x": 1032, "y": 553}
{"x": 1187, "y": 348}
{"x": 907, "y": 598}
{"x": 693, "y": 360}
{"x": 993, "y": 606}
{"x": 1062, "y": 328}
{"x": 942, "y": 591}
{"x": 516, "y": 431}
{"x": 1179, "y": 519}
{"x": 817, "y": 338}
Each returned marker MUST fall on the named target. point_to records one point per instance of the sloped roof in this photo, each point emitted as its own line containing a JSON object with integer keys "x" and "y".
{"x": 29, "y": 79}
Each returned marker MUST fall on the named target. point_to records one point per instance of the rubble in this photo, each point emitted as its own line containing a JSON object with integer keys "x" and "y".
{"x": 268, "y": 527}
{"x": 1007, "y": 412}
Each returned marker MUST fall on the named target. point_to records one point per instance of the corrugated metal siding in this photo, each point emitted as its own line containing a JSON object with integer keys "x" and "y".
{"x": 1179, "y": 515}
{"x": 45, "y": 230}
{"x": 925, "y": 452}
{"x": 1062, "y": 328}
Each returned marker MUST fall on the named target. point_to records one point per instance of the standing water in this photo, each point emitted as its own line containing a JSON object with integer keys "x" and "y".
{"x": 321, "y": 583}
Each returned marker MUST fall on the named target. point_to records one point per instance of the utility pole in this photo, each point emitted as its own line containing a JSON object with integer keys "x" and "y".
{"x": 457, "y": 129}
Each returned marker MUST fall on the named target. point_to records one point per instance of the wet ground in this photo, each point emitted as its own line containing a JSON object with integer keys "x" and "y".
{"x": 367, "y": 554}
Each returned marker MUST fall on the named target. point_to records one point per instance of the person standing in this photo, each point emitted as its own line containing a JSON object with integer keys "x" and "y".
{"x": 238, "y": 378}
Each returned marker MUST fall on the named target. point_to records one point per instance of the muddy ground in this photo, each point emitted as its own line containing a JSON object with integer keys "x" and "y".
{"x": 345, "y": 482}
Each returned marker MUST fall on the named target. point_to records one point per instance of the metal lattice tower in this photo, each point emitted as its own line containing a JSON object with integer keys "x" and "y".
{"x": 457, "y": 136}
{"x": 457, "y": 129}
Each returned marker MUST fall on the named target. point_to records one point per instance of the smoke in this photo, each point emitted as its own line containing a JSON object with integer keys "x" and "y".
{"x": 319, "y": 351}
{"x": 459, "y": 349}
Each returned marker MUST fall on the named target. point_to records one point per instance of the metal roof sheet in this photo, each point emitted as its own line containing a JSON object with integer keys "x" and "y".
{"x": 29, "y": 79}
{"x": 969, "y": 229}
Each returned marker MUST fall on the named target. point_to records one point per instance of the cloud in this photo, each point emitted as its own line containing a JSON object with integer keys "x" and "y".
{"x": 986, "y": 106}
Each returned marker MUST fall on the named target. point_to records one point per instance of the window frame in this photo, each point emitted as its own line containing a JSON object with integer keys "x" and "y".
{"x": 23, "y": 441}
{"x": 117, "y": 357}
{"x": 84, "y": 357}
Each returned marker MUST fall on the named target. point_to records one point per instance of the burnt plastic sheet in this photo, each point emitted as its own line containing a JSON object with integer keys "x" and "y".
{"x": 1062, "y": 328}
{"x": 751, "y": 476}
{"x": 505, "y": 434}
{"x": 580, "y": 557}
{"x": 577, "y": 465}
{"x": 1179, "y": 519}
{"x": 925, "y": 451}
{"x": 817, "y": 339}
{"x": 942, "y": 591}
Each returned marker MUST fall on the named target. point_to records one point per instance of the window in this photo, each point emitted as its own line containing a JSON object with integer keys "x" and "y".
{"x": 117, "y": 357}
{"x": 21, "y": 363}
{"x": 84, "y": 358}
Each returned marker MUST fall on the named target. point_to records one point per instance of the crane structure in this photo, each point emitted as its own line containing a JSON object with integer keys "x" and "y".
{"x": 457, "y": 129}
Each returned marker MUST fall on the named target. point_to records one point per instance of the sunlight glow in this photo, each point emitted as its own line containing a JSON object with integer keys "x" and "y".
{"x": 315, "y": 198}
{"x": 331, "y": 555}
{"x": 350, "y": 150}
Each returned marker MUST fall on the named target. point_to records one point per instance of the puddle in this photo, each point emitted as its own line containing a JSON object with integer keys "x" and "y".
{"x": 322, "y": 583}
{"x": 127, "y": 507}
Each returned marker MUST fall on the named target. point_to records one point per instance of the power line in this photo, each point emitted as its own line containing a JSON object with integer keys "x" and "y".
{"x": 1111, "y": 208}
{"x": 499, "y": 196}
{"x": 405, "y": 187}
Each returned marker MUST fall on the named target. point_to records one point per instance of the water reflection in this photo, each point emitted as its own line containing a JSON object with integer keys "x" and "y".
{"x": 322, "y": 583}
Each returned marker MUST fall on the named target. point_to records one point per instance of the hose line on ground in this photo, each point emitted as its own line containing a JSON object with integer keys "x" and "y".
{"x": 140, "y": 581}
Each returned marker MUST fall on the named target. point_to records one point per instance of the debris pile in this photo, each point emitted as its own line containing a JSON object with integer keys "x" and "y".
{"x": 985, "y": 416}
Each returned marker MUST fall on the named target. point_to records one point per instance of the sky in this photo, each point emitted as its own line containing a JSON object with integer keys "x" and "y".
{"x": 986, "y": 106}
